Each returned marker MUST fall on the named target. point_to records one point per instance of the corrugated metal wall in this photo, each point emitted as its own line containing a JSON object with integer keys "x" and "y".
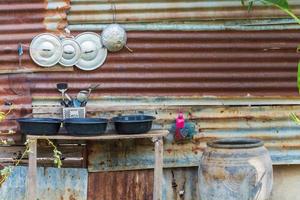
{"x": 179, "y": 184}
{"x": 20, "y": 21}
{"x": 132, "y": 11}
{"x": 173, "y": 63}
{"x": 181, "y": 48}
{"x": 220, "y": 63}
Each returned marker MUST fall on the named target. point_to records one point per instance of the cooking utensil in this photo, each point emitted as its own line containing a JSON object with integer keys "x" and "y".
{"x": 93, "y": 53}
{"x": 76, "y": 103}
{"x": 85, "y": 126}
{"x": 71, "y": 52}
{"x": 46, "y": 50}
{"x": 39, "y": 126}
{"x": 62, "y": 87}
{"x": 114, "y": 37}
{"x": 133, "y": 124}
{"x": 84, "y": 95}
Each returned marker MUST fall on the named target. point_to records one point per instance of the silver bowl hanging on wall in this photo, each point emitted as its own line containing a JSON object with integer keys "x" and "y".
{"x": 114, "y": 37}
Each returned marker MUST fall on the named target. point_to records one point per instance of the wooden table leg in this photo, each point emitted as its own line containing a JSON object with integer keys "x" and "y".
{"x": 32, "y": 171}
{"x": 158, "y": 168}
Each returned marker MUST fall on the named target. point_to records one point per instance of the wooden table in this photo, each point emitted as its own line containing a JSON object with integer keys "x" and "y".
{"x": 155, "y": 135}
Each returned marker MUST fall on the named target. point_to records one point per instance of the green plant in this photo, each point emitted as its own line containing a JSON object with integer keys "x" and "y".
{"x": 6, "y": 171}
{"x": 56, "y": 154}
{"x": 281, "y": 4}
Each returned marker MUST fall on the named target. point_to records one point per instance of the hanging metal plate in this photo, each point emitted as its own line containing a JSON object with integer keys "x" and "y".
{"x": 46, "y": 50}
{"x": 93, "y": 53}
{"x": 71, "y": 52}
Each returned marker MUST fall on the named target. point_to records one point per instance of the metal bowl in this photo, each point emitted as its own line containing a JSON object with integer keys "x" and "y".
{"x": 85, "y": 126}
{"x": 133, "y": 124}
{"x": 39, "y": 126}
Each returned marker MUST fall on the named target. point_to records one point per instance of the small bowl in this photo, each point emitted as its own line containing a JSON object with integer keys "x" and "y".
{"x": 85, "y": 126}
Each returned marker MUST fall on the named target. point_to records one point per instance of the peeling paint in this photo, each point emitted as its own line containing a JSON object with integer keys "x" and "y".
{"x": 53, "y": 184}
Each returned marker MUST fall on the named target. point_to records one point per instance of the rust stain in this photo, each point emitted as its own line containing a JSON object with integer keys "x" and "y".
{"x": 71, "y": 197}
{"x": 133, "y": 185}
{"x": 196, "y": 149}
{"x": 169, "y": 150}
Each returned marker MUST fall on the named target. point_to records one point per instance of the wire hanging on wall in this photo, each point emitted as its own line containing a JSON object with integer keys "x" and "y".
{"x": 114, "y": 36}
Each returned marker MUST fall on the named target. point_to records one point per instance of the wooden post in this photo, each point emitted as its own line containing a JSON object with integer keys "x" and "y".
{"x": 158, "y": 168}
{"x": 32, "y": 171}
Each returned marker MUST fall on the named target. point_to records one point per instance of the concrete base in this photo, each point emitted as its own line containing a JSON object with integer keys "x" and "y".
{"x": 286, "y": 182}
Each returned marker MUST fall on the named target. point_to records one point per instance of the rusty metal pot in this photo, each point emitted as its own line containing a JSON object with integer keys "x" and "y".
{"x": 235, "y": 169}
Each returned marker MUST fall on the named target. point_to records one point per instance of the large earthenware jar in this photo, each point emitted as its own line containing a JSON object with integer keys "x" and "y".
{"x": 235, "y": 169}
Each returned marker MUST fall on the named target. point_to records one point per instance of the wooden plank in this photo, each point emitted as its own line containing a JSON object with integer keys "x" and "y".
{"x": 73, "y": 155}
{"x": 68, "y": 151}
{"x": 32, "y": 170}
{"x": 67, "y": 163}
{"x": 158, "y": 168}
{"x": 111, "y": 136}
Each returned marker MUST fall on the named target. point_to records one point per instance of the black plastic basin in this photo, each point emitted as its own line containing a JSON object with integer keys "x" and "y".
{"x": 85, "y": 126}
{"x": 133, "y": 124}
{"x": 39, "y": 126}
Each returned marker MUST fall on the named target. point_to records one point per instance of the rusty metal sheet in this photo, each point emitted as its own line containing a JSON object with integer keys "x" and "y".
{"x": 93, "y": 12}
{"x": 272, "y": 124}
{"x": 133, "y": 185}
{"x": 138, "y": 185}
{"x": 20, "y": 22}
{"x": 124, "y": 103}
{"x": 15, "y": 89}
{"x": 53, "y": 184}
{"x": 176, "y": 63}
{"x": 109, "y": 185}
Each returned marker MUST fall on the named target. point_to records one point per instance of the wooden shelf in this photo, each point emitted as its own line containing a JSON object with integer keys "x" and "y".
{"x": 109, "y": 136}
{"x": 155, "y": 135}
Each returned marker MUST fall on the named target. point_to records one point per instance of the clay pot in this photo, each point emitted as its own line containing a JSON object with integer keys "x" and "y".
{"x": 235, "y": 169}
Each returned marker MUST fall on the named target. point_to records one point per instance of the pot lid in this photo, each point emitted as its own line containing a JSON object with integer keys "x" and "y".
{"x": 46, "y": 49}
{"x": 93, "y": 53}
{"x": 71, "y": 52}
{"x": 114, "y": 37}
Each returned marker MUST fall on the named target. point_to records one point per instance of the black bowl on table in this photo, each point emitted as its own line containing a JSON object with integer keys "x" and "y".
{"x": 85, "y": 126}
{"x": 39, "y": 126}
{"x": 133, "y": 124}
